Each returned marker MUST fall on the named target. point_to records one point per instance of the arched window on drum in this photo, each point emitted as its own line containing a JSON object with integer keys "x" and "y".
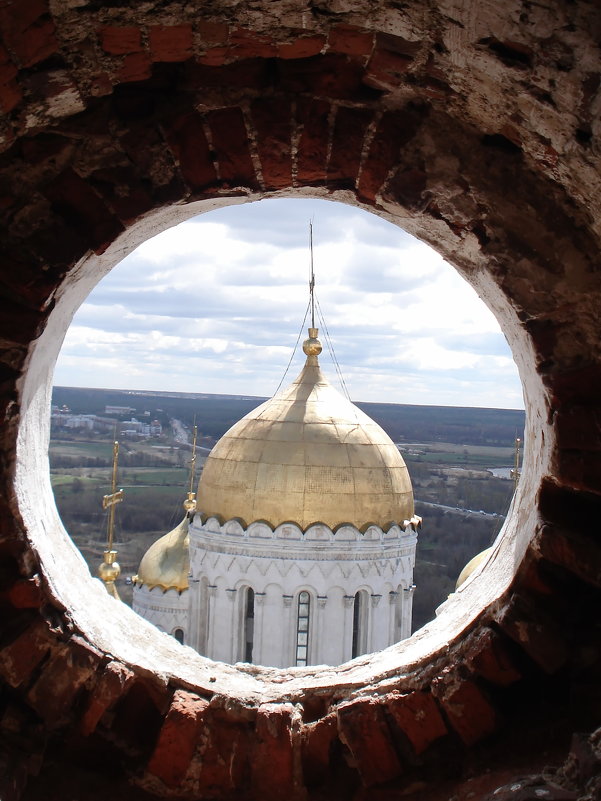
{"x": 249, "y": 624}
{"x": 302, "y": 628}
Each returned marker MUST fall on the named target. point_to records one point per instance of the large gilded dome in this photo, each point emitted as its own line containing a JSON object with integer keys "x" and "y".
{"x": 307, "y": 456}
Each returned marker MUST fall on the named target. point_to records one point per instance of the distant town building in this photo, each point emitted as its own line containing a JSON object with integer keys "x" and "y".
{"x": 81, "y": 422}
{"x": 301, "y": 547}
{"x": 137, "y": 428}
{"x": 92, "y": 422}
{"x": 118, "y": 410}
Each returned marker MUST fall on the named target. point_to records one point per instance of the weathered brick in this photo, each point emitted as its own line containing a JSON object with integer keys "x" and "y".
{"x": 120, "y": 41}
{"x": 68, "y": 668}
{"x": 8, "y": 71}
{"x": 249, "y": 44}
{"x": 135, "y": 67}
{"x": 489, "y": 658}
{"x": 138, "y": 716}
{"x": 101, "y": 85}
{"x": 273, "y": 123}
{"x": 467, "y": 709}
{"x": 213, "y": 32}
{"x": 178, "y": 738}
{"x": 170, "y": 42}
{"x": 363, "y": 728}
{"x": 230, "y": 142}
{"x": 25, "y": 594}
{"x": 579, "y": 428}
{"x": 536, "y": 632}
{"x": 222, "y": 762}
{"x": 317, "y": 739}
{"x": 113, "y": 681}
{"x": 332, "y": 76}
{"x": 122, "y": 191}
{"x": 19, "y": 658}
{"x": 391, "y": 59}
{"x": 19, "y": 324}
{"x": 214, "y": 56}
{"x": 350, "y": 40}
{"x": 572, "y": 550}
{"x": 577, "y": 386}
{"x": 418, "y": 717}
{"x": 350, "y": 127}
{"x": 29, "y": 31}
{"x": 303, "y": 47}
{"x": 395, "y": 129}
{"x": 272, "y": 764}
{"x": 408, "y": 187}
{"x": 10, "y": 96}
{"x": 252, "y": 73}
{"x": 59, "y": 242}
{"x": 81, "y": 208}
{"x": 567, "y": 507}
{"x": 312, "y": 155}
{"x": 58, "y": 91}
{"x": 187, "y": 139}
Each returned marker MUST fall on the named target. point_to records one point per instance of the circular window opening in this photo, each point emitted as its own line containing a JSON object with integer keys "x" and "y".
{"x": 88, "y": 274}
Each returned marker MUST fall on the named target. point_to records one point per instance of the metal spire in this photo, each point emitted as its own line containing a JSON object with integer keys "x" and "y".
{"x": 312, "y": 281}
{"x": 190, "y": 502}
{"x": 312, "y": 346}
{"x": 110, "y": 570}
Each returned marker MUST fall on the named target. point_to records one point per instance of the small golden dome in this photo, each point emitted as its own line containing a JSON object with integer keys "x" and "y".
{"x": 475, "y": 562}
{"x": 307, "y": 456}
{"x": 166, "y": 563}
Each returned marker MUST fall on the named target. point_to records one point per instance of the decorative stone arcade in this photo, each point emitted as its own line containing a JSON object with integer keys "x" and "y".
{"x": 474, "y": 126}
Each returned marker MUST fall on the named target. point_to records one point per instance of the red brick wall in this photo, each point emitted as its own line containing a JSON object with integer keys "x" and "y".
{"x": 478, "y": 133}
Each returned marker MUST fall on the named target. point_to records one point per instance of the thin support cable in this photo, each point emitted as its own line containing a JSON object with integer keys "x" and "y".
{"x": 294, "y": 349}
{"x": 331, "y": 349}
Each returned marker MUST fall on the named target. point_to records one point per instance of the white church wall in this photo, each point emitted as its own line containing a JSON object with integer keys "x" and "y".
{"x": 278, "y": 565}
{"x": 167, "y": 610}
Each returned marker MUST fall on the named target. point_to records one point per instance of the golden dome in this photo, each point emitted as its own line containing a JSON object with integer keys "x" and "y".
{"x": 166, "y": 563}
{"x": 475, "y": 562}
{"x": 307, "y": 456}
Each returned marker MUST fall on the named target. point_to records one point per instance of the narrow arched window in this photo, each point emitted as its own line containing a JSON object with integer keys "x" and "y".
{"x": 249, "y": 624}
{"x": 356, "y": 649}
{"x": 302, "y": 628}
{"x": 179, "y": 636}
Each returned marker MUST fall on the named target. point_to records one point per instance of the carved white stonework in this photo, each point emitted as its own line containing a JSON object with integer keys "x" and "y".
{"x": 168, "y": 610}
{"x": 227, "y": 559}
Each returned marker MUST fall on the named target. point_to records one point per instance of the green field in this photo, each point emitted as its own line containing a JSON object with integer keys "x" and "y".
{"x": 90, "y": 449}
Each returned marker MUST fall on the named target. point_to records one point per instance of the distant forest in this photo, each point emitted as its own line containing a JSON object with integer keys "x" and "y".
{"x": 216, "y": 413}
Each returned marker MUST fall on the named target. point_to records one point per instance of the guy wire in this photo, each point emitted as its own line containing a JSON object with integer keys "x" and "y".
{"x": 295, "y": 347}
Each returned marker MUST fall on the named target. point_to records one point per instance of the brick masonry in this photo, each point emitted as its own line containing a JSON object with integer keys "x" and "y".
{"x": 479, "y": 134}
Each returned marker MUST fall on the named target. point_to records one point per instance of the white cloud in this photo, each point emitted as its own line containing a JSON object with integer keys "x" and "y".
{"x": 216, "y": 304}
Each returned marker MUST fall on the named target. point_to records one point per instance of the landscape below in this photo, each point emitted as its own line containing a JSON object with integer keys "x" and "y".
{"x": 450, "y": 453}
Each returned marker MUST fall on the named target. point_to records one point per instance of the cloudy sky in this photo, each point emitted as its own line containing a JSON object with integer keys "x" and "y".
{"x": 216, "y": 305}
